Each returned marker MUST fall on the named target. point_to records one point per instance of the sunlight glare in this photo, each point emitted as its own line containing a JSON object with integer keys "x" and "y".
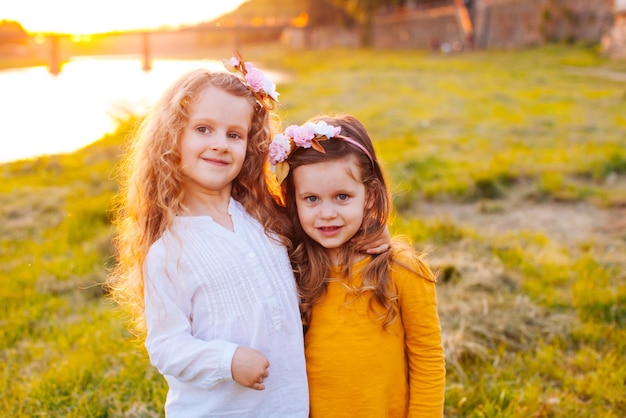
{"x": 73, "y": 111}
{"x": 82, "y": 18}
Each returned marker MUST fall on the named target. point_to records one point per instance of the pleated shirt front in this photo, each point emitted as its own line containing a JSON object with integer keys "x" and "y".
{"x": 209, "y": 290}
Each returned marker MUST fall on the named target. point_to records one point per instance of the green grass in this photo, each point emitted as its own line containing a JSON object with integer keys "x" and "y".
{"x": 532, "y": 326}
{"x": 494, "y": 116}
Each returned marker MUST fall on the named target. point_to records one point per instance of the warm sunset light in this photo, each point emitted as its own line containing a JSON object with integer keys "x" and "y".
{"x": 82, "y": 17}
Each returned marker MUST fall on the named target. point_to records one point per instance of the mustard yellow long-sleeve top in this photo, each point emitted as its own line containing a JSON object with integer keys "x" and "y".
{"x": 357, "y": 369}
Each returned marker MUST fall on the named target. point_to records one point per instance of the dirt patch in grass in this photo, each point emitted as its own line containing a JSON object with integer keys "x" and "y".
{"x": 483, "y": 304}
{"x": 570, "y": 224}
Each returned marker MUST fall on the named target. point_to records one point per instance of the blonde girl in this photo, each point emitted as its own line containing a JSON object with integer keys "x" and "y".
{"x": 373, "y": 338}
{"x": 201, "y": 261}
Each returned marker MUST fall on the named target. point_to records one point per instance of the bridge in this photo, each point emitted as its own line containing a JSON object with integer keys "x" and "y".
{"x": 147, "y": 42}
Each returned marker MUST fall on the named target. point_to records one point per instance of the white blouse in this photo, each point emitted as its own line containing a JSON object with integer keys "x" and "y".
{"x": 209, "y": 290}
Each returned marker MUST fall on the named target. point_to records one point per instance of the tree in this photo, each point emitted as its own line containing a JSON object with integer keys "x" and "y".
{"x": 363, "y": 11}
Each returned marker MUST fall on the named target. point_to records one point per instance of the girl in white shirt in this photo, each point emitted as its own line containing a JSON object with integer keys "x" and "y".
{"x": 201, "y": 260}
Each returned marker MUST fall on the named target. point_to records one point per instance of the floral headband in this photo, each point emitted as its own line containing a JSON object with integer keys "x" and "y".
{"x": 304, "y": 136}
{"x": 263, "y": 88}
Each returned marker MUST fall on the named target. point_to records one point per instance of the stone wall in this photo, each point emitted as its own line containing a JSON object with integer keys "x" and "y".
{"x": 507, "y": 23}
{"x": 322, "y": 37}
{"x": 504, "y": 24}
{"x": 497, "y": 23}
{"x": 521, "y": 23}
{"x": 412, "y": 27}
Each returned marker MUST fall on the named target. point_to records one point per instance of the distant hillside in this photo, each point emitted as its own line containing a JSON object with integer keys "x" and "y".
{"x": 318, "y": 12}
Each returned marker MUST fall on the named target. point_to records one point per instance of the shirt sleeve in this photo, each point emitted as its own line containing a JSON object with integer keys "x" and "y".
{"x": 420, "y": 318}
{"x": 172, "y": 348}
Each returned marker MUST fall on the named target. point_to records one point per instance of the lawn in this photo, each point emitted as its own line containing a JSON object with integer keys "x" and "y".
{"x": 488, "y": 153}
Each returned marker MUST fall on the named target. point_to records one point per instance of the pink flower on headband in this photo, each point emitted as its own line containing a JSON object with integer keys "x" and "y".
{"x": 303, "y": 136}
{"x": 279, "y": 149}
{"x": 255, "y": 79}
{"x": 258, "y": 81}
{"x": 262, "y": 87}
{"x": 290, "y": 131}
{"x": 308, "y": 135}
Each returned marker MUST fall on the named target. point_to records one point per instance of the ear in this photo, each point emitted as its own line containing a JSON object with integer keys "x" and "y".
{"x": 372, "y": 194}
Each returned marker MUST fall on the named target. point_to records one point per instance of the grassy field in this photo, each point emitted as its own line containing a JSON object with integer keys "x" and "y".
{"x": 488, "y": 153}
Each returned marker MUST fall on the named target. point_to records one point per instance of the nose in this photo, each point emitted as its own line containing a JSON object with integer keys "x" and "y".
{"x": 327, "y": 210}
{"x": 219, "y": 141}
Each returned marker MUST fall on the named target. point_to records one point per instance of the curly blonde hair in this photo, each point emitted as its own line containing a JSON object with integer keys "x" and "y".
{"x": 151, "y": 184}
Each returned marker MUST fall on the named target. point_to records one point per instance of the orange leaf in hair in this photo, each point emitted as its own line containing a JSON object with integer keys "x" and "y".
{"x": 317, "y": 146}
{"x": 281, "y": 171}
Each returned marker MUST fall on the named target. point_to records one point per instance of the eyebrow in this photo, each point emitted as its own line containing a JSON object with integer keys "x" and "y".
{"x": 334, "y": 192}
{"x": 203, "y": 119}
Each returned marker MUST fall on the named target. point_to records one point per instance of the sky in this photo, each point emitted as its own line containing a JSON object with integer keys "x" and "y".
{"x": 88, "y": 16}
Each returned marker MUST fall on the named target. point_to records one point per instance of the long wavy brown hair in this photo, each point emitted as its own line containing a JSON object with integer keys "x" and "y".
{"x": 310, "y": 262}
{"x": 151, "y": 184}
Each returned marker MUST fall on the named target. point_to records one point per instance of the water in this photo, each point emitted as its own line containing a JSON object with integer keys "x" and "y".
{"x": 45, "y": 114}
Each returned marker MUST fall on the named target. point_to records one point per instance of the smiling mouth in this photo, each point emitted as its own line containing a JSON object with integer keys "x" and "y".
{"x": 215, "y": 161}
{"x": 329, "y": 230}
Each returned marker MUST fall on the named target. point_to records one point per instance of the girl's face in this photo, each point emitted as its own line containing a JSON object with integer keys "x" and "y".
{"x": 331, "y": 201}
{"x": 213, "y": 143}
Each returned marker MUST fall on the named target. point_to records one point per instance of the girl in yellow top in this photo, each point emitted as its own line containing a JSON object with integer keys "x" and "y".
{"x": 372, "y": 334}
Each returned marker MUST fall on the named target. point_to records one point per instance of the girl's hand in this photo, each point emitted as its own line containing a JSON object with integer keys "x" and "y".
{"x": 378, "y": 249}
{"x": 382, "y": 245}
{"x": 249, "y": 368}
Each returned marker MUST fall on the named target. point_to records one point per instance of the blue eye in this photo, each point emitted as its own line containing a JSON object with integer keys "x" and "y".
{"x": 342, "y": 197}
{"x": 311, "y": 199}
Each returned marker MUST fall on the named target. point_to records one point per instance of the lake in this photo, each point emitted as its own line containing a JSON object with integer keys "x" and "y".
{"x": 45, "y": 114}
